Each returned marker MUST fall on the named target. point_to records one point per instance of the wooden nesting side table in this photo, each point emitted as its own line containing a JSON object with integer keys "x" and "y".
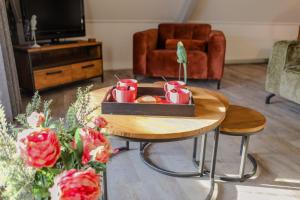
{"x": 209, "y": 114}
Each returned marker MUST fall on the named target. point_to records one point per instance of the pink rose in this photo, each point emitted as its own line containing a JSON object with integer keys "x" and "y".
{"x": 100, "y": 122}
{"x": 35, "y": 119}
{"x": 101, "y": 154}
{"x": 95, "y": 146}
{"x": 76, "y": 185}
{"x": 39, "y": 147}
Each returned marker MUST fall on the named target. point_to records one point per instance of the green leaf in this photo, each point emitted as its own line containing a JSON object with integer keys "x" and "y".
{"x": 34, "y": 105}
{"x": 52, "y": 172}
{"x": 47, "y": 112}
{"x": 99, "y": 167}
{"x": 78, "y": 141}
{"x": 40, "y": 192}
{"x": 71, "y": 119}
{"x": 52, "y": 126}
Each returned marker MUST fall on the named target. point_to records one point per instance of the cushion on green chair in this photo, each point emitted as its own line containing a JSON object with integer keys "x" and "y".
{"x": 293, "y": 69}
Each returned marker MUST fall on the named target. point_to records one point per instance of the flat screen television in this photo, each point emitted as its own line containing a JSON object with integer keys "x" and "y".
{"x": 55, "y": 18}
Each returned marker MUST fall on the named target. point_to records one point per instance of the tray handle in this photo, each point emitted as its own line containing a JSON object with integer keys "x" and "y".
{"x": 108, "y": 95}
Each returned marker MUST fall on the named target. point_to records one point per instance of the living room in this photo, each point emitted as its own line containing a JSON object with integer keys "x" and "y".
{"x": 149, "y": 99}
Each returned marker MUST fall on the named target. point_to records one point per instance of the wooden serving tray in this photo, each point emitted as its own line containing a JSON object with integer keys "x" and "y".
{"x": 109, "y": 106}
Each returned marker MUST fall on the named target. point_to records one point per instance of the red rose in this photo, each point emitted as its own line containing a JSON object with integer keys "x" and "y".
{"x": 39, "y": 147}
{"x": 95, "y": 146}
{"x": 100, "y": 122}
{"x": 75, "y": 184}
{"x": 35, "y": 119}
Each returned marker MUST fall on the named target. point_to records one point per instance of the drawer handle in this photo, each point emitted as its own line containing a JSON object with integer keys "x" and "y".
{"x": 54, "y": 72}
{"x": 87, "y": 66}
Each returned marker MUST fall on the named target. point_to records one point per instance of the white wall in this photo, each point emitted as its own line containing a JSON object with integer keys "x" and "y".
{"x": 114, "y": 22}
{"x": 117, "y": 40}
{"x": 251, "y": 26}
{"x": 252, "y": 42}
{"x": 133, "y": 9}
{"x": 261, "y": 11}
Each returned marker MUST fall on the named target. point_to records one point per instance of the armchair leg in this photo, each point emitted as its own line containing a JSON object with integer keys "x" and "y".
{"x": 219, "y": 84}
{"x": 268, "y": 99}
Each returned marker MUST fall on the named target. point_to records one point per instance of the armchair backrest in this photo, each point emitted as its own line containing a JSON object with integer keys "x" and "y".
{"x": 182, "y": 31}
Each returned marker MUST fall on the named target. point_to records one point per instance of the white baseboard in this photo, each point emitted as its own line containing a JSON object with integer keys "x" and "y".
{"x": 227, "y": 62}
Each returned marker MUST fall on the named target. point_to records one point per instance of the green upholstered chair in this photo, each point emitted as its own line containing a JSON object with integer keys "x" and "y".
{"x": 283, "y": 74}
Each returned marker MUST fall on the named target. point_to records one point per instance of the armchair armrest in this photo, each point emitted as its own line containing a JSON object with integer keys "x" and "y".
{"x": 216, "y": 54}
{"x": 143, "y": 42}
{"x": 283, "y": 55}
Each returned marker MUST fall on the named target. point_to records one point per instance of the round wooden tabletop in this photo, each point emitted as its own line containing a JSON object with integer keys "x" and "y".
{"x": 209, "y": 114}
{"x": 242, "y": 121}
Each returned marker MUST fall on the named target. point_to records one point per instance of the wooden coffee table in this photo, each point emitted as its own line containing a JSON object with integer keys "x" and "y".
{"x": 209, "y": 114}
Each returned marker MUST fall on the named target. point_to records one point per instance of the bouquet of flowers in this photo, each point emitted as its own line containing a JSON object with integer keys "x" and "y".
{"x": 43, "y": 158}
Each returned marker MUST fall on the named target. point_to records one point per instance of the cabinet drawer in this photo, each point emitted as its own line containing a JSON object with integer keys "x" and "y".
{"x": 86, "y": 70}
{"x": 46, "y": 78}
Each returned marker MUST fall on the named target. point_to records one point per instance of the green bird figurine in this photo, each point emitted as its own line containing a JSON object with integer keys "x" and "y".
{"x": 182, "y": 60}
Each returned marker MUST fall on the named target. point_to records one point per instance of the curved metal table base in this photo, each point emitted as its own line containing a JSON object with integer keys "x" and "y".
{"x": 245, "y": 176}
{"x": 159, "y": 169}
{"x": 201, "y": 172}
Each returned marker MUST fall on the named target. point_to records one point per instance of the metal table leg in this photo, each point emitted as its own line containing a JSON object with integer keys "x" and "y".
{"x": 244, "y": 152}
{"x": 213, "y": 164}
{"x": 195, "y": 150}
{"x": 200, "y": 163}
{"x": 125, "y": 148}
{"x": 105, "y": 192}
{"x": 104, "y": 181}
{"x": 244, "y": 156}
{"x": 242, "y": 145}
{"x": 122, "y": 149}
{"x": 202, "y": 155}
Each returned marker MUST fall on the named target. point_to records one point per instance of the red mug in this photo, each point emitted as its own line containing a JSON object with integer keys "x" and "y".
{"x": 124, "y": 94}
{"x": 170, "y": 85}
{"x": 178, "y": 96}
{"x": 128, "y": 82}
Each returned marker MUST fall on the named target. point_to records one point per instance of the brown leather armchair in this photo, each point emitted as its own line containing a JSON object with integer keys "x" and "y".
{"x": 154, "y": 51}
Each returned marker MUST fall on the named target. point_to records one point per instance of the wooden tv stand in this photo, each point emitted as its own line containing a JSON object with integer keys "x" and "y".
{"x": 54, "y": 65}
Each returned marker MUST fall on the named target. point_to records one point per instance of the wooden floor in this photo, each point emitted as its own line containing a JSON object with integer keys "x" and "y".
{"x": 277, "y": 149}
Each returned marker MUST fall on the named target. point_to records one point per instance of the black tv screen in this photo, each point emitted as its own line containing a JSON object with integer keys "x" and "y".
{"x": 55, "y": 18}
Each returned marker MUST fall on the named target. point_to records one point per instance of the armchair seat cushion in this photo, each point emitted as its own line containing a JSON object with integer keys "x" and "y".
{"x": 199, "y": 45}
{"x": 164, "y": 63}
{"x": 154, "y": 51}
